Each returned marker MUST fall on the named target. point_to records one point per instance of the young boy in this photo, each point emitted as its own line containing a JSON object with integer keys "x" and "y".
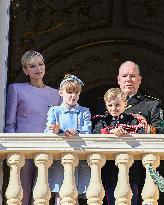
{"x": 115, "y": 121}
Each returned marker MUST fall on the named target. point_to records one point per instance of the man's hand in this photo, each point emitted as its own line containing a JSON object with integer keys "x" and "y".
{"x": 143, "y": 120}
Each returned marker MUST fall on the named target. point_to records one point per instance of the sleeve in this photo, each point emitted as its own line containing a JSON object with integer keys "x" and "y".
{"x": 87, "y": 124}
{"x": 11, "y": 110}
{"x": 155, "y": 117}
{"x": 97, "y": 126}
{"x": 140, "y": 127}
{"x": 50, "y": 120}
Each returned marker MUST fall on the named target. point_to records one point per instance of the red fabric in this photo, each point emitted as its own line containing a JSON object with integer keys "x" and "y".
{"x": 129, "y": 128}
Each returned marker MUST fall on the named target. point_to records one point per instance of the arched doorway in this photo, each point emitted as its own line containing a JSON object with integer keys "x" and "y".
{"x": 91, "y": 39}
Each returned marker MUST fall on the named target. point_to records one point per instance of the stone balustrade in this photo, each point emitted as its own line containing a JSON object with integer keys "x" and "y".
{"x": 96, "y": 149}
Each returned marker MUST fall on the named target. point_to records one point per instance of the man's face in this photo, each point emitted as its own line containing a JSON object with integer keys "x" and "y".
{"x": 129, "y": 78}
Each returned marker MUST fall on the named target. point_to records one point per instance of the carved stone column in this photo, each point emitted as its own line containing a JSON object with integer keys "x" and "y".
{"x": 123, "y": 193}
{"x": 150, "y": 193}
{"x": 68, "y": 191}
{"x": 41, "y": 191}
{"x": 95, "y": 192}
{"x": 14, "y": 192}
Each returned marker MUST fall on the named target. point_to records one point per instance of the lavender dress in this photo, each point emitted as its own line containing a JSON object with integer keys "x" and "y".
{"x": 26, "y": 112}
{"x": 27, "y": 107}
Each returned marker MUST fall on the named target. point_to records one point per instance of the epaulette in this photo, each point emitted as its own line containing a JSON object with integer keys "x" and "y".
{"x": 151, "y": 97}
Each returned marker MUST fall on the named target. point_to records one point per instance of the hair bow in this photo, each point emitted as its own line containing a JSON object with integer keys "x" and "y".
{"x": 71, "y": 78}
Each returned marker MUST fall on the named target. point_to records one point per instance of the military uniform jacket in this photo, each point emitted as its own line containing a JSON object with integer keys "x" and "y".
{"x": 147, "y": 107}
{"x": 139, "y": 104}
{"x": 104, "y": 123}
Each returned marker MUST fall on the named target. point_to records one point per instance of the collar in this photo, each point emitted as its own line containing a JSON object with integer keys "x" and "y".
{"x": 121, "y": 116}
{"x": 65, "y": 109}
{"x": 129, "y": 96}
{"x": 134, "y": 99}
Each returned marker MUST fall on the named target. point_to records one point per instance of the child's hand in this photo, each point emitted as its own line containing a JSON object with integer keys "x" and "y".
{"x": 55, "y": 128}
{"x": 70, "y": 133}
{"x": 118, "y": 131}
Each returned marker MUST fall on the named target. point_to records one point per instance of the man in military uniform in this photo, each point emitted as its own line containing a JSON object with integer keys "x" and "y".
{"x": 129, "y": 80}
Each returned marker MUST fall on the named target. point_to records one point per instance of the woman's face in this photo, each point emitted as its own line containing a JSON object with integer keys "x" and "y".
{"x": 35, "y": 68}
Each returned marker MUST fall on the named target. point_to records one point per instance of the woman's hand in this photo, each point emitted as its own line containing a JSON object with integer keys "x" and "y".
{"x": 55, "y": 128}
{"x": 118, "y": 131}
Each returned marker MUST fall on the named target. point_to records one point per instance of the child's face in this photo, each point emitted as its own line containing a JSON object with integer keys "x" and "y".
{"x": 115, "y": 106}
{"x": 69, "y": 98}
{"x": 35, "y": 68}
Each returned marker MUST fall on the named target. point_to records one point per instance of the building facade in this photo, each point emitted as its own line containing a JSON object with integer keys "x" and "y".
{"x": 89, "y": 38}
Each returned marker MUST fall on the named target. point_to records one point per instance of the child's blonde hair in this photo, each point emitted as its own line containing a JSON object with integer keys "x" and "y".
{"x": 115, "y": 93}
{"x": 71, "y": 84}
{"x": 28, "y": 55}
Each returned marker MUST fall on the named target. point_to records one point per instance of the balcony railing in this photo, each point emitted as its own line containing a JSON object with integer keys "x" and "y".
{"x": 96, "y": 149}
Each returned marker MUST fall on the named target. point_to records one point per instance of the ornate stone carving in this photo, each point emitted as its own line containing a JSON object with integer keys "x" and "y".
{"x": 146, "y": 15}
{"x": 90, "y": 38}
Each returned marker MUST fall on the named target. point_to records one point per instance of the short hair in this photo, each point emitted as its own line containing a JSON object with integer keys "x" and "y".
{"x": 128, "y": 63}
{"x": 71, "y": 84}
{"x": 28, "y": 55}
{"x": 115, "y": 93}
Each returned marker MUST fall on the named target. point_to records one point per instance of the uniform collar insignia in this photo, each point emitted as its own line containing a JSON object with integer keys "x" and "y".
{"x": 134, "y": 99}
{"x": 127, "y": 107}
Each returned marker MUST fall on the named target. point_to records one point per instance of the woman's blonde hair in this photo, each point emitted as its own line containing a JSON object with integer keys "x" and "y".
{"x": 28, "y": 55}
{"x": 71, "y": 83}
{"x": 115, "y": 93}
